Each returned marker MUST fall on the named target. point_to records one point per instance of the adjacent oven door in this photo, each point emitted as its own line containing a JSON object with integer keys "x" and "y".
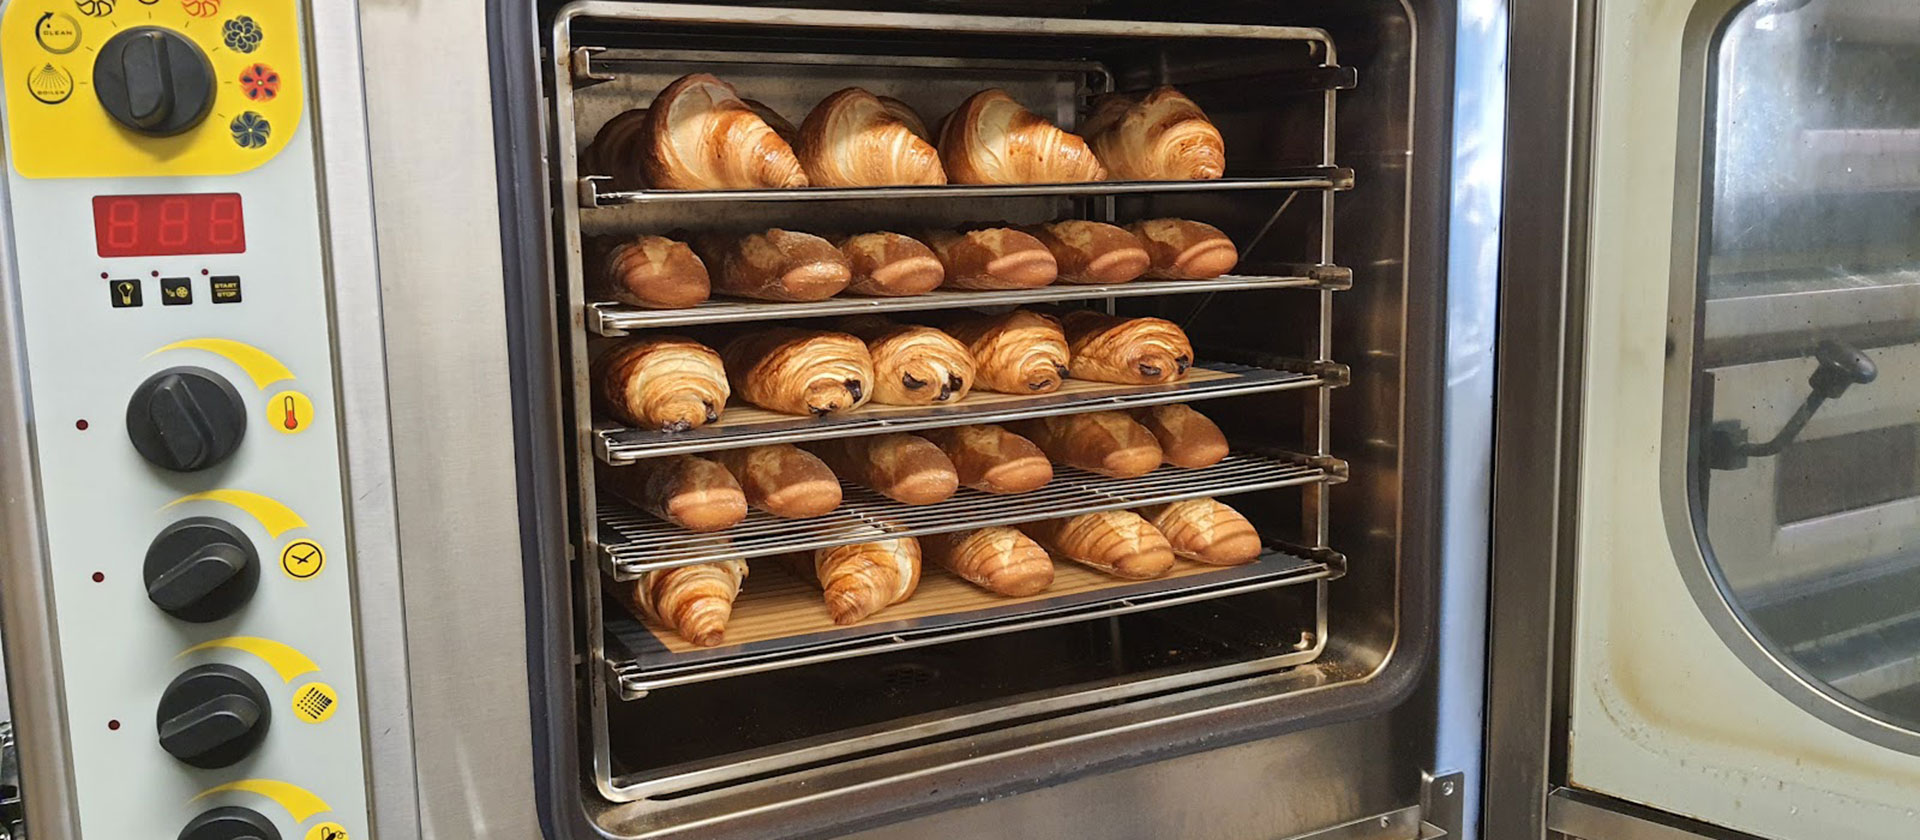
{"x": 1737, "y": 420}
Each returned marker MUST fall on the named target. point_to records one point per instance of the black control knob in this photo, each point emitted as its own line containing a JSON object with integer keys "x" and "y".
{"x": 154, "y": 81}
{"x": 212, "y": 716}
{"x": 186, "y": 419}
{"x": 201, "y": 569}
{"x": 230, "y": 823}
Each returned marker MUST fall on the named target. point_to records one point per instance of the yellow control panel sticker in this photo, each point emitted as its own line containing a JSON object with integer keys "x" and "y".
{"x": 327, "y": 831}
{"x": 57, "y": 128}
{"x": 290, "y": 412}
{"x": 302, "y": 559}
{"x": 315, "y": 702}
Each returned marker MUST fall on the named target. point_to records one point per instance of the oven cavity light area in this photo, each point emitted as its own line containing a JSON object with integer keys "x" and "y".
{"x": 169, "y": 225}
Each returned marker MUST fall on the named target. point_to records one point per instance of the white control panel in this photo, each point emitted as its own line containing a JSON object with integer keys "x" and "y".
{"x": 164, "y": 214}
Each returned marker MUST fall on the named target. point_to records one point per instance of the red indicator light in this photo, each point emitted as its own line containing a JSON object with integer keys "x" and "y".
{"x": 169, "y": 225}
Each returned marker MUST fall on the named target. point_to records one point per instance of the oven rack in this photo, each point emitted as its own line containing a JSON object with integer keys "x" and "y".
{"x": 749, "y": 426}
{"x": 633, "y": 543}
{"x": 619, "y": 319}
{"x": 1298, "y": 178}
{"x": 639, "y": 662}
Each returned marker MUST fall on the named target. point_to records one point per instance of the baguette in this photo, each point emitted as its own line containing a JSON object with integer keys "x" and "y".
{"x": 1186, "y": 436}
{"x": 691, "y": 492}
{"x": 993, "y": 258}
{"x": 774, "y": 264}
{"x": 905, "y": 468}
{"x": 990, "y": 458}
{"x": 1117, "y": 542}
{"x": 1020, "y": 352}
{"x": 662, "y": 382}
{"x": 999, "y": 560}
{"x": 782, "y": 479}
{"x": 1186, "y": 250}
{"x": 1126, "y": 351}
{"x": 1105, "y": 442}
{"x": 1206, "y": 531}
{"x": 796, "y": 371}
{"x": 1092, "y": 252}
{"x": 891, "y": 265}
{"x": 648, "y": 271}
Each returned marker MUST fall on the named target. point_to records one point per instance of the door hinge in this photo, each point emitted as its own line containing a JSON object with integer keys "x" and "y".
{"x": 1443, "y": 798}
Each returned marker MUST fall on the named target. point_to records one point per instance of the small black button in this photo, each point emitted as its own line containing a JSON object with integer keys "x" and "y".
{"x": 125, "y": 293}
{"x": 176, "y": 291}
{"x": 226, "y": 289}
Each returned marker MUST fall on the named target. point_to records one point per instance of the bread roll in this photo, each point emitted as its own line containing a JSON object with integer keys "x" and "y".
{"x": 782, "y": 479}
{"x": 775, "y": 264}
{"x": 992, "y": 139}
{"x": 1183, "y": 249}
{"x": 1105, "y": 442}
{"x": 1092, "y": 253}
{"x": 1117, "y": 542}
{"x": 663, "y": 382}
{"x": 1019, "y": 352}
{"x": 891, "y": 265}
{"x": 990, "y": 458}
{"x": 1161, "y": 136}
{"x": 905, "y": 468}
{"x": 913, "y": 365}
{"x": 700, "y": 135}
{"x": 691, "y": 492}
{"x": 796, "y": 371}
{"x": 1206, "y": 531}
{"x": 999, "y": 560}
{"x": 993, "y": 258}
{"x": 693, "y": 601}
{"x": 650, "y": 271}
{"x": 851, "y": 139}
{"x": 1187, "y": 438}
{"x": 1126, "y": 351}
{"x": 862, "y": 579}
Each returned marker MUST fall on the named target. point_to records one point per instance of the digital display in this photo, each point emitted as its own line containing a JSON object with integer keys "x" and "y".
{"x": 168, "y": 225}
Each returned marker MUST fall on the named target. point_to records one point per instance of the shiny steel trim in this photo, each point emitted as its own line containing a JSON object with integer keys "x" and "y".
{"x": 1308, "y": 178}
{"x": 915, "y": 21}
{"x": 353, "y": 269}
{"x": 1590, "y": 816}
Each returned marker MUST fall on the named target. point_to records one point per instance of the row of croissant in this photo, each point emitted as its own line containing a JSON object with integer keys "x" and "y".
{"x": 699, "y": 134}
{"x": 859, "y": 580}
{"x": 659, "y": 272}
{"x": 674, "y": 383}
{"x": 712, "y": 492}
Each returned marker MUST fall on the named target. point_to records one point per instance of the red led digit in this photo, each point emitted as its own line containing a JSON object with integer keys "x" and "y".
{"x": 173, "y": 222}
{"x": 169, "y": 225}
{"x": 123, "y": 225}
{"x": 223, "y": 224}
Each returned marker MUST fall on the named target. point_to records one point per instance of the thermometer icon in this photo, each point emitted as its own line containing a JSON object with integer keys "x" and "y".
{"x": 292, "y": 420}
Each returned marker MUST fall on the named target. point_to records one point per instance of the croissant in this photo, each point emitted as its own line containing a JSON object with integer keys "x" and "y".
{"x": 1187, "y": 437}
{"x": 862, "y": 579}
{"x": 1105, "y": 442}
{"x": 913, "y": 365}
{"x": 1162, "y": 136}
{"x": 780, "y": 125}
{"x": 692, "y": 601}
{"x": 891, "y": 265}
{"x": 1117, "y": 542}
{"x": 1206, "y": 531}
{"x": 993, "y": 258}
{"x": 851, "y": 139}
{"x": 650, "y": 271}
{"x": 615, "y": 150}
{"x": 1000, "y": 560}
{"x": 1182, "y": 249}
{"x": 905, "y": 468}
{"x": 796, "y": 371}
{"x": 663, "y": 382}
{"x": 691, "y": 492}
{"x": 992, "y": 139}
{"x": 1020, "y": 352}
{"x": 782, "y": 479}
{"x": 700, "y": 135}
{"x": 990, "y": 458}
{"x": 1127, "y": 351}
{"x": 1093, "y": 252}
{"x": 905, "y": 114}
{"x": 775, "y": 264}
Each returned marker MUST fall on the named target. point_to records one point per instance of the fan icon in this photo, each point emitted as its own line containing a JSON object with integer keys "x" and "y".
{"x": 250, "y": 130}
{"x": 95, "y": 8}
{"x": 242, "y": 34}
{"x": 260, "y": 83}
{"x": 201, "y": 8}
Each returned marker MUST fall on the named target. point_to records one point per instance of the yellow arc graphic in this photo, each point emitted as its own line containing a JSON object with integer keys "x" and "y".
{"x": 290, "y": 664}
{"x": 274, "y": 516}
{"x": 260, "y": 365}
{"x": 298, "y": 801}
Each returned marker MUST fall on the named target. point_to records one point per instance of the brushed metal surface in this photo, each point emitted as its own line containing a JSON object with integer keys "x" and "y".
{"x": 1584, "y": 815}
{"x": 431, "y": 122}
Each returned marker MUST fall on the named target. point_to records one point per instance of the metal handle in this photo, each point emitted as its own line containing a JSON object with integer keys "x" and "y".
{"x": 1841, "y": 366}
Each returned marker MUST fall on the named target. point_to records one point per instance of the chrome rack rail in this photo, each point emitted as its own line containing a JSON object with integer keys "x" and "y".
{"x": 1302, "y": 178}
{"x": 617, "y": 445}
{"x": 633, "y": 543}
{"x": 618, "y": 319}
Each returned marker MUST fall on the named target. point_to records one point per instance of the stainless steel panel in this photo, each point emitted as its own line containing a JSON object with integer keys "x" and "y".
{"x": 1588, "y": 816}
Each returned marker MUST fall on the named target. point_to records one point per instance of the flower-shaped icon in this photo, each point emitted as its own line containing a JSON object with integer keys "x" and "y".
{"x": 201, "y": 8}
{"x": 260, "y": 83}
{"x": 242, "y": 34}
{"x": 250, "y": 130}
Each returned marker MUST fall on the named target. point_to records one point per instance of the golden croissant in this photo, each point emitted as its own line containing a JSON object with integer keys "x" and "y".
{"x": 905, "y": 113}
{"x": 993, "y": 139}
{"x": 860, "y": 580}
{"x": 796, "y": 371}
{"x": 695, "y": 602}
{"x": 616, "y": 151}
{"x": 663, "y": 382}
{"x": 700, "y": 135}
{"x": 1162, "y": 136}
{"x": 1020, "y": 352}
{"x": 913, "y": 365}
{"x": 1000, "y": 560}
{"x": 851, "y": 139}
{"x": 1127, "y": 351}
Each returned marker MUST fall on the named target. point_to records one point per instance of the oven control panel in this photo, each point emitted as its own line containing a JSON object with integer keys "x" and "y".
{"x": 164, "y": 215}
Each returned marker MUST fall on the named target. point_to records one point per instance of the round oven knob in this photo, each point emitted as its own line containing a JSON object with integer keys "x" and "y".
{"x": 154, "y": 81}
{"x": 186, "y": 419}
{"x": 212, "y": 716}
{"x": 230, "y": 823}
{"x": 201, "y": 569}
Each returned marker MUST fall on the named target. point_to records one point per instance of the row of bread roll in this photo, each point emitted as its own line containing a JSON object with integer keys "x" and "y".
{"x": 859, "y": 580}
{"x": 776, "y": 264}
{"x": 699, "y": 133}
